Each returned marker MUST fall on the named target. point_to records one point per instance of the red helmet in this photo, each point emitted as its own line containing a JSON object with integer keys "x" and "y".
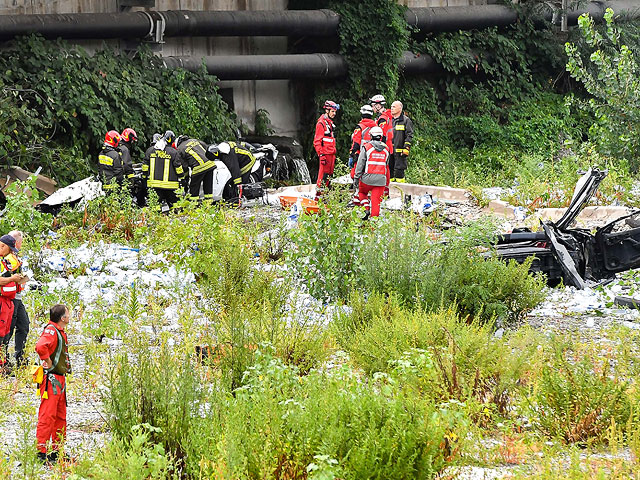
{"x": 332, "y": 105}
{"x": 129, "y": 135}
{"x": 112, "y": 138}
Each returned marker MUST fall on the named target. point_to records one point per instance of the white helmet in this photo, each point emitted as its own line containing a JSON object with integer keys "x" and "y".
{"x": 378, "y": 99}
{"x": 224, "y": 147}
{"x": 375, "y": 133}
{"x": 366, "y": 110}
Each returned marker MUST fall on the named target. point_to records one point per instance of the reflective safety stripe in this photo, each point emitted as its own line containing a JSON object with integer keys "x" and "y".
{"x": 399, "y": 127}
{"x": 145, "y": 168}
{"x": 162, "y": 184}
{"x": 402, "y": 150}
{"x": 196, "y": 157}
{"x": 202, "y": 168}
{"x": 242, "y": 151}
{"x": 248, "y": 166}
{"x": 131, "y": 175}
{"x": 237, "y": 181}
{"x": 8, "y": 288}
{"x": 105, "y": 160}
{"x": 328, "y": 139}
{"x": 376, "y": 161}
{"x": 165, "y": 173}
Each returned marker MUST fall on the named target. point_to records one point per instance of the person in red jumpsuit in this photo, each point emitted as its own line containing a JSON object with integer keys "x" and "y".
{"x": 360, "y": 135}
{"x": 372, "y": 173}
{"x": 9, "y": 282}
{"x": 385, "y": 122}
{"x": 324, "y": 143}
{"x": 52, "y": 348}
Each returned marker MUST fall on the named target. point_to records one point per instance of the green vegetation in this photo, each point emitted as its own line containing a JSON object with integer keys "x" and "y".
{"x": 58, "y": 102}
{"x": 397, "y": 375}
{"x": 335, "y": 257}
{"x": 340, "y": 349}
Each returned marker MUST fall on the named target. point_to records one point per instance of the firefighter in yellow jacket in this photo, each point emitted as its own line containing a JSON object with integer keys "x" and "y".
{"x": 161, "y": 163}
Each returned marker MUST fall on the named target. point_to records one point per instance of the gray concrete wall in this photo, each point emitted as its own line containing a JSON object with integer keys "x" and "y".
{"x": 275, "y": 96}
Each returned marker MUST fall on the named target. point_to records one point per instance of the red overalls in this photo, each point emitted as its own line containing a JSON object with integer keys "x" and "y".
{"x": 324, "y": 143}
{"x": 52, "y": 416}
{"x": 358, "y": 137}
{"x": 377, "y": 163}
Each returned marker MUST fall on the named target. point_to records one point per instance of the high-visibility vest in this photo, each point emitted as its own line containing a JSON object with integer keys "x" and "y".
{"x": 10, "y": 289}
{"x": 16, "y": 267}
{"x": 376, "y": 160}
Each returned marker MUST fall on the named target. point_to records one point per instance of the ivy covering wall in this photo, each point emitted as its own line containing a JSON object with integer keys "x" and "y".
{"x": 57, "y": 102}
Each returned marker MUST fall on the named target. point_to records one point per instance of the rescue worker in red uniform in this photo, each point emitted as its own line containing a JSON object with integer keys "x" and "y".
{"x": 20, "y": 321}
{"x": 361, "y": 134}
{"x": 8, "y": 288}
{"x": 193, "y": 155}
{"x": 372, "y": 172}
{"x": 52, "y": 348}
{"x": 384, "y": 121}
{"x": 324, "y": 142}
{"x": 110, "y": 162}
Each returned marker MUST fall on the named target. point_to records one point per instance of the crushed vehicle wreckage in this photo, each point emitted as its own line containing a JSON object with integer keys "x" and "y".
{"x": 574, "y": 255}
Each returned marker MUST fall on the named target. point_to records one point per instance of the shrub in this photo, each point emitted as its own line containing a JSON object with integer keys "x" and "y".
{"x": 420, "y": 272}
{"x": 134, "y": 457}
{"x": 610, "y": 76}
{"x": 20, "y": 213}
{"x": 278, "y": 423}
{"x": 325, "y": 250}
{"x": 576, "y": 399}
{"x": 434, "y": 355}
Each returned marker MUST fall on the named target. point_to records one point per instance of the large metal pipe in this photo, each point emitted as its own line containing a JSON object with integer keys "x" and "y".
{"x": 77, "y": 25}
{"x": 273, "y": 67}
{"x": 450, "y": 19}
{"x": 312, "y": 23}
{"x": 263, "y": 23}
{"x": 265, "y": 67}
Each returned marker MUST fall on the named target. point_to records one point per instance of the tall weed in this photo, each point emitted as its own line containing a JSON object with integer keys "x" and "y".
{"x": 578, "y": 396}
{"x": 434, "y": 355}
{"x": 278, "y": 424}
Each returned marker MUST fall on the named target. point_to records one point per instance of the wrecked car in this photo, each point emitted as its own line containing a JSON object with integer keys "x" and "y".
{"x": 575, "y": 256}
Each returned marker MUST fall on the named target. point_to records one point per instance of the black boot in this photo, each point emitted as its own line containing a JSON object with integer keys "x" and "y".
{"x": 43, "y": 457}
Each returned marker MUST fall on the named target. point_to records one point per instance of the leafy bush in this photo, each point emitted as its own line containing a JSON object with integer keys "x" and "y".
{"x": 325, "y": 249}
{"x": 610, "y": 76}
{"x": 402, "y": 260}
{"x": 134, "y": 457}
{"x": 433, "y": 355}
{"x": 280, "y": 425}
{"x": 576, "y": 397}
{"x": 20, "y": 213}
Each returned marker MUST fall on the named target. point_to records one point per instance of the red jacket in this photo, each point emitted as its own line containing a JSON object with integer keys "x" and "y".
{"x": 385, "y": 122}
{"x": 324, "y": 141}
{"x": 48, "y": 341}
{"x": 356, "y": 137}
